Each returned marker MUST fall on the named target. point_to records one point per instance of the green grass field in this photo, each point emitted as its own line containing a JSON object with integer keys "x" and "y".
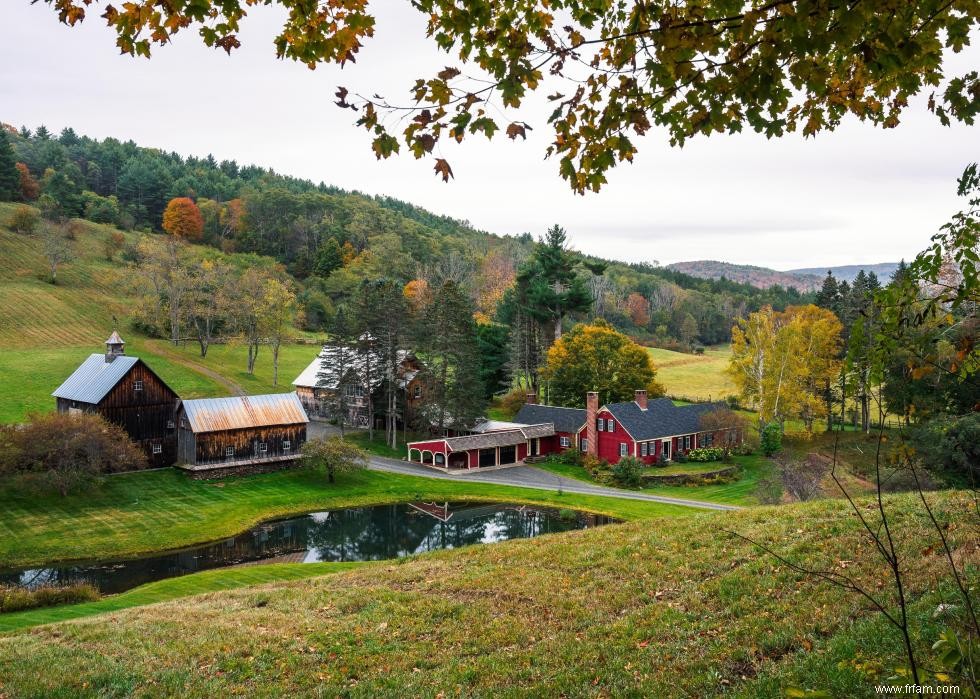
{"x": 622, "y": 610}
{"x": 693, "y": 377}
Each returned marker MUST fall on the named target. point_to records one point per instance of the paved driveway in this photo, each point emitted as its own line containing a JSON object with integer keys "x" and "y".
{"x": 531, "y": 477}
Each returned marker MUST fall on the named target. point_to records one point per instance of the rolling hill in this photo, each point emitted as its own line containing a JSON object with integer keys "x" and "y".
{"x": 621, "y": 610}
{"x": 805, "y": 279}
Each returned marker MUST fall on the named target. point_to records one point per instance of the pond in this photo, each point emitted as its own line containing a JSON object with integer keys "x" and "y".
{"x": 353, "y": 534}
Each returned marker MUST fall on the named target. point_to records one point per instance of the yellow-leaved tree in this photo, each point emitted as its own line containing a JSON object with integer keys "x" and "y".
{"x": 781, "y": 361}
{"x": 596, "y": 357}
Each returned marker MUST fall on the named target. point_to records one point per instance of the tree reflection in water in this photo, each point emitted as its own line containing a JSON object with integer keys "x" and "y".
{"x": 353, "y": 534}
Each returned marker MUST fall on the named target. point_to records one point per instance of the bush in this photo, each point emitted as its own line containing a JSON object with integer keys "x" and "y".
{"x": 333, "y": 455}
{"x": 706, "y": 454}
{"x": 512, "y": 401}
{"x": 597, "y": 468}
{"x": 628, "y": 472}
{"x": 24, "y": 219}
{"x": 64, "y": 452}
{"x": 771, "y": 439}
{"x": 16, "y": 599}
{"x": 569, "y": 457}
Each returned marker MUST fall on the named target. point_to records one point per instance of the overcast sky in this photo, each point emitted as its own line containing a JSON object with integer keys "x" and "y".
{"x": 858, "y": 195}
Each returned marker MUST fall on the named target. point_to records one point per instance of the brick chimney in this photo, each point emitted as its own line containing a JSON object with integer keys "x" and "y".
{"x": 591, "y": 435}
{"x": 531, "y": 398}
{"x": 641, "y": 399}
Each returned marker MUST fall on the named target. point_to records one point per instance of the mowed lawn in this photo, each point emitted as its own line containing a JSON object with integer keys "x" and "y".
{"x": 139, "y": 513}
{"x": 694, "y": 377}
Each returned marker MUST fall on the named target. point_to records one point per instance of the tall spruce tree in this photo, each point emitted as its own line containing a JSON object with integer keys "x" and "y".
{"x": 455, "y": 399}
{"x": 382, "y": 315}
{"x": 9, "y": 177}
{"x": 829, "y": 297}
{"x": 553, "y": 287}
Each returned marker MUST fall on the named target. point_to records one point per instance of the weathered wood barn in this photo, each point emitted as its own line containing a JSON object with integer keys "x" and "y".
{"x": 218, "y": 436}
{"x": 125, "y": 391}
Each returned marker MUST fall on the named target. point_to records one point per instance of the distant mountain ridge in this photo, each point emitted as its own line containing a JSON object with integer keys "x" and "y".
{"x": 883, "y": 270}
{"x": 804, "y": 279}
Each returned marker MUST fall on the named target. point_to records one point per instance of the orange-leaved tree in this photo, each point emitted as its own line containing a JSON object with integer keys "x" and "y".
{"x": 182, "y": 219}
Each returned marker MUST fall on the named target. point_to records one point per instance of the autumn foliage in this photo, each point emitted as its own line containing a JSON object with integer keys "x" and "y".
{"x": 596, "y": 357}
{"x": 29, "y": 188}
{"x": 183, "y": 219}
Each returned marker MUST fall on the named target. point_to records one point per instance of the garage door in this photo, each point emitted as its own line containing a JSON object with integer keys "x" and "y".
{"x": 508, "y": 455}
{"x": 488, "y": 457}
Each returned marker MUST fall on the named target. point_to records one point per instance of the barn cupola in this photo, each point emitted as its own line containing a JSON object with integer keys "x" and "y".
{"x": 114, "y": 347}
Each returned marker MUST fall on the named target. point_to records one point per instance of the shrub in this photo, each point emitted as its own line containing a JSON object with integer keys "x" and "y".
{"x": 628, "y": 472}
{"x": 597, "y": 468}
{"x": 706, "y": 454}
{"x": 24, "y": 219}
{"x": 16, "y": 599}
{"x": 512, "y": 401}
{"x": 771, "y": 438}
{"x": 769, "y": 491}
{"x": 66, "y": 452}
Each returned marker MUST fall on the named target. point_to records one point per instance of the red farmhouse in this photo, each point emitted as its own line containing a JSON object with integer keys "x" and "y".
{"x": 652, "y": 431}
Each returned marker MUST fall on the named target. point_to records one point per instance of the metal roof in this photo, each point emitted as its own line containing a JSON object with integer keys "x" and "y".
{"x": 241, "y": 412}
{"x": 94, "y": 378}
{"x": 114, "y": 339}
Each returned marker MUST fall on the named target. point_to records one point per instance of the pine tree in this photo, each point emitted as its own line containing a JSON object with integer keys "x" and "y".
{"x": 829, "y": 294}
{"x": 552, "y": 287}
{"x": 455, "y": 399}
{"x": 9, "y": 176}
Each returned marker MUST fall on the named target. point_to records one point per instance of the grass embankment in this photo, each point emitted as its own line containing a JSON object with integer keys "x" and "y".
{"x": 623, "y": 610}
{"x": 139, "y": 513}
{"x": 174, "y": 588}
{"x": 752, "y": 468}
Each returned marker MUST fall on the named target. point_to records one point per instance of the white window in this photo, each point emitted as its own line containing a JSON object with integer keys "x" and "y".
{"x": 170, "y": 424}
{"x": 157, "y": 449}
{"x": 138, "y": 385}
{"x": 687, "y": 442}
{"x": 565, "y": 442}
{"x": 263, "y": 447}
{"x": 584, "y": 444}
{"x": 644, "y": 449}
{"x": 229, "y": 452}
{"x": 600, "y": 424}
{"x": 610, "y": 425}
{"x": 286, "y": 445}
{"x": 622, "y": 448}
{"x": 708, "y": 439}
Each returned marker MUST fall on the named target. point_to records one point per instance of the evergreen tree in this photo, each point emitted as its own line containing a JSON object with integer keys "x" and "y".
{"x": 9, "y": 176}
{"x": 328, "y": 258}
{"x": 455, "y": 399}
{"x": 492, "y": 339}
{"x": 829, "y": 294}
{"x": 553, "y": 289}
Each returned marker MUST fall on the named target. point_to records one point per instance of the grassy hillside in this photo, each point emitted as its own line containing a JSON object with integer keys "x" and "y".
{"x": 693, "y": 377}
{"x": 46, "y": 330}
{"x": 638, "y": 609}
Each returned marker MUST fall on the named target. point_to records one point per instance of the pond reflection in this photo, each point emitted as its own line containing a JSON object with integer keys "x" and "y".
{"x": 352, "y": 534}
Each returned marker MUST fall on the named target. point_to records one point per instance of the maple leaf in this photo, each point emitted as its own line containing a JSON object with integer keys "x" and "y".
{"x": 516, "y": 129}
{"x": 442, "y": 168}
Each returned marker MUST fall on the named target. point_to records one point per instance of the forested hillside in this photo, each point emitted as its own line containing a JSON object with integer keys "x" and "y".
{"x": 331, "y": 239}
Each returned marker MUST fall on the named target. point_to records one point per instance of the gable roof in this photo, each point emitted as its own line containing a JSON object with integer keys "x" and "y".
{"x": 564, "y": 419}
{"x": 241, "y": 412}
{"x": 501, "y": 438}
{"x": 94, "y": 378}
{"x": 661, "y": 418}
{"x": 314, "y": 376}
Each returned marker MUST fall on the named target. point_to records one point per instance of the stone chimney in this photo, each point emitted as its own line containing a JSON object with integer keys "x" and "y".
{"x": 114, "y": 347}
{"x": 531, "y": 398}
{"x": 591, "y": 411}
{"x": 641, "y": 399}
